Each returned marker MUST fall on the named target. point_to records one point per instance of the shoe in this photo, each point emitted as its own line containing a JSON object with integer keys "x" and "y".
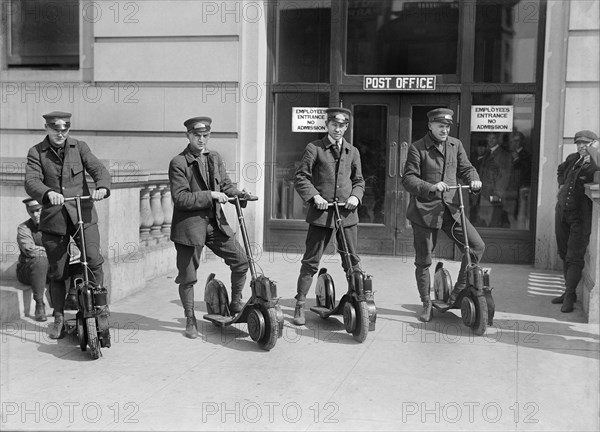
{"x": 427, "y": 312}
{"x": 57, "y": 330}
{"x": 191, "y": 327}
{"x": 568, "y": 303}
{"x": 40, "y": 311}
{"x": 236, "y": 304}
{"x": 559, "y": 299}
{"x": 299, "y": 318}
{"x": 71, "y": 302}
{"x": 455, "y": 293}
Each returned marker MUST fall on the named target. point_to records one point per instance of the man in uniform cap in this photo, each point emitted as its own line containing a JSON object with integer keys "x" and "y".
{"x": 56, "y": 169}
{"x": 573, "y": 213}
{"x": 330, "y": 170}
{"x": 434, "y": 163}
{"x": 199, "y": 185}
{"x": 32, "y": 267}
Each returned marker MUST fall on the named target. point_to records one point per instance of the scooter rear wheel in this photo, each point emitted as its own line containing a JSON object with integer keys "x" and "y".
{"x": 271, "y": 334}
{"x": 92, "y": 336}
{"x": 362, "y": 321}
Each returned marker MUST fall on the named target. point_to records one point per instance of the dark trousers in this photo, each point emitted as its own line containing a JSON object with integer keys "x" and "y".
{"x": 317, "y": 240}
{"x": 425, "y": 240}
{"x": 573, "y": 229}
{"x": 188, "y": 261}
{"x": 57, "y": 247}
{"x": 34, "y": 272}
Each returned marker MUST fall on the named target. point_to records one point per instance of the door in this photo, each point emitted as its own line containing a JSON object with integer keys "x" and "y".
{"x": 382, "y": 128}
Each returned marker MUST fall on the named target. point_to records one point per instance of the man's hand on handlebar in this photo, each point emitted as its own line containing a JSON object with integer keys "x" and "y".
{"x": 98, "y": 194}
{"x": 220, "y": 197}
{"x": 352, "y": 202}
{"x": 440, "y": 186}
{"x": 476, "y": 185}
{"x": 320, "y": 202}
{"x": 55, "y": 198}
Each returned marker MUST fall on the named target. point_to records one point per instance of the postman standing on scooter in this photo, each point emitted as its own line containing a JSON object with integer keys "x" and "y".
{"x": 330, "y": 170}
{"x": 199, "y": 185}
{"x": 435, "y": 162}
{"x": 56, "y": 169}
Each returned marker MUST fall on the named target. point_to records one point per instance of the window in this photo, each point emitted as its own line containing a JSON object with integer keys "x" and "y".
{"x": 505, "y": 165}
{"x": 42, "y": 34}
{"x": 506, "y": 41}
{"x": 288, "y": 153}
{"x": 303, "y": 42}
{"x": 402, "y": 37}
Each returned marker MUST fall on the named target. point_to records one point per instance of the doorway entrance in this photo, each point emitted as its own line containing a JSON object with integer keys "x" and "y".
{"x": 382, "y": 128}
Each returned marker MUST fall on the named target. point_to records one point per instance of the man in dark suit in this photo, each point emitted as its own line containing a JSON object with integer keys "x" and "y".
{"x": 330, "y": 170}
{"x": 573, "y": 214}
{"x": 56, "y": 168}
{"x": 520, "y": 179}
{"x": 495, "y": 174}
{"x": 435, "y": 162}
{"x": 32, "y": 268}
{"x": 199, "y": 185}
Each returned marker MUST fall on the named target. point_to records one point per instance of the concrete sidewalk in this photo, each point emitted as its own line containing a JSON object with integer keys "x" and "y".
{"x": 535, "y": 369}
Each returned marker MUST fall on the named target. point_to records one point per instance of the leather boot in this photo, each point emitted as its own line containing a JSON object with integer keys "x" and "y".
{"x": 559, "y": 299}
{"x": 57, "y": 329}
{"x": 299, "y": 318}
{"x": 427, "y": 311}
{"x": 455, "y": 293}
{"x": 236, "y": 304}
{"x": 568, "y": 302}
{"x": 71, "y": 302}
{"x": 191, "y": 327}
{"x": 40, "y": 311}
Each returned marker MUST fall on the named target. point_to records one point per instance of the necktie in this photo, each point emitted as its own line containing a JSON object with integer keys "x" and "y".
{"x": 335, "y": 149}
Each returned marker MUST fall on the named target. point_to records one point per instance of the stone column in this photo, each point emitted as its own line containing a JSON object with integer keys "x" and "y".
{"x": 588, "y": 286}
{"x": 167, "y": 207}
{"x": 146, "y": 217}
{"x": 157, "y": 212}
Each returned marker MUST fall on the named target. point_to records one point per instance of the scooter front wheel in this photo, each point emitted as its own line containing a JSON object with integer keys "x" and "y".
{"x": 481, "y": 316}
{"x": 81, "y": 331}
{"x": 271, "y": 334}
{"x": 92, "y": 336}
{"x": 474, "y": 313}
{"x": 361, "y": 330}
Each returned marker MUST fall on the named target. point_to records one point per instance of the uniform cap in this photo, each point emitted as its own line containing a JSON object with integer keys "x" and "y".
{"x": 58, "y": 120}
{"x": 441, "y": 115}
{"x": 339, "y": 115}
{"x": 585, "y": 136}
{"x": 200, "y": 124}
{"x": 31, "y": 204}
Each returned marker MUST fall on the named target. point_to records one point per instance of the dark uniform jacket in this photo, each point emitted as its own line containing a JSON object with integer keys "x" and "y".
{"x": 572, "y": 176}
{"x": 29, "y": 239}
{"x": 193, "y": 206}
{"x": 426, "y": 166}
{"x": 45, "y": 172}
{"x": 317, "y": 175}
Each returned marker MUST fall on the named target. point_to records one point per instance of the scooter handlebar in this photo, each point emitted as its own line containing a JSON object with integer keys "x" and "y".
{"x": 462, "y": 187}
{"x": 340, "y": 204}
{"x": 247, "y": 197}
{"x": 81, "y": 197}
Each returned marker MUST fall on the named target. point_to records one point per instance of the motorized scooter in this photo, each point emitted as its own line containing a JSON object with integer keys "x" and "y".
{"x": 262, "y": 311}
{"x": 91, "y": 320}
{"x": 475, "y": 302}
{"x": 357, "y": 306}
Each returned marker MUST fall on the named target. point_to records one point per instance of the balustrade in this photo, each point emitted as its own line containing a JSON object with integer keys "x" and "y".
{"x": 156, "y": 214}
